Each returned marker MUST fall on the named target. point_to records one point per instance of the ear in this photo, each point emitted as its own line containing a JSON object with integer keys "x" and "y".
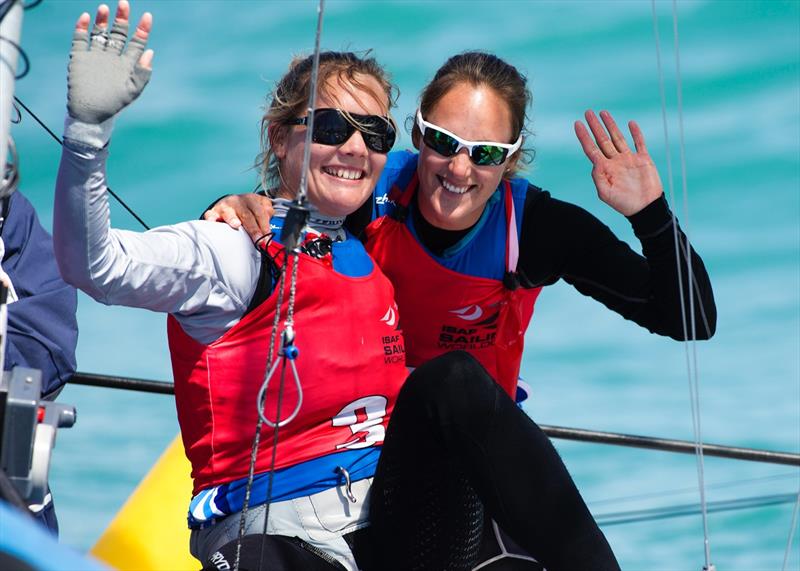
{"x": 511, "y": 165}
{"x": 277, "y": 140}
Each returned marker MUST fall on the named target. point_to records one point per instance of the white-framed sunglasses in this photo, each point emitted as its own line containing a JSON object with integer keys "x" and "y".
{"x": 447, "y": 144}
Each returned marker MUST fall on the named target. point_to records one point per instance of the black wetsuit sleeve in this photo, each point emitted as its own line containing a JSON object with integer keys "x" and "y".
{"x": 561, "y": 240}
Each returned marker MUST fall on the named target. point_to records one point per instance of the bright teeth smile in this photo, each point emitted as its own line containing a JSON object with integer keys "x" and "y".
{"x": 347, "y": 174}
{"x": 453, "y": 188}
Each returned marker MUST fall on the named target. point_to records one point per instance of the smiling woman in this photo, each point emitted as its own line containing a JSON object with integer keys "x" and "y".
{"x": 223, "y": 302}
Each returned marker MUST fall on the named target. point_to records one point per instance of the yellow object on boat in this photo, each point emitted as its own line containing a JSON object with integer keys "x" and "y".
{"x": 149, "y": 532}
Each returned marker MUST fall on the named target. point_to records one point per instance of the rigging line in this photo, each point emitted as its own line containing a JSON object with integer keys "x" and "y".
{"x": 5, "y": 7}
{"x": 652, "y": 514}
{"x": 680, "y": 491}
{"x": 60, "y": 142}
{"x": 312, "y": 105}
{"x": 288, "y": 337}
{"x": 25, "y": 60}
{"x": 260, "y": 422}
{"x": 792, "y": 528}
{"x": 694, "y": 402}
{"x": 695, "y": 379}
{"x": 288, "y": 332}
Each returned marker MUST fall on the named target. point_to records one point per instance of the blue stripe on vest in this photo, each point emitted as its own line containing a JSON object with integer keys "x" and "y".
{"x": 482, "y": 251}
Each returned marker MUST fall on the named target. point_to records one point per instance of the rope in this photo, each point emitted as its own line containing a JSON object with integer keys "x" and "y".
{"x": 259, "y": 425}
{"x": 651, "y": 514}
{"x": 60, "y": 142}
{"x": 792, "y": 528}
{"x": 690, "y": 344}
{"x": 312, "y": 104}
{"x": 288, "y": 331}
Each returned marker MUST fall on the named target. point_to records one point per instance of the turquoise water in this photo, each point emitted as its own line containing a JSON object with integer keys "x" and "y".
{"x": 193, "y": 135}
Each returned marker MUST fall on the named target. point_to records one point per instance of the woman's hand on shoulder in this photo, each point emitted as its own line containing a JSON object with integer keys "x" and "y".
{"x": 106, "y": 70}
{"x": 251, "y": 211}
{"x": 626, "y": 180}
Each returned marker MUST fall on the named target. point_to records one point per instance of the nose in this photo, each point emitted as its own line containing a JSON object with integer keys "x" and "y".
{"x": 460, "y": 164}
{"x": 354, "y": 145}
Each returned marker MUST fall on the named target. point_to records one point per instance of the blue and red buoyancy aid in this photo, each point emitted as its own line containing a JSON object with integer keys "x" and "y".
{"x": 443, "y": 309}
{"x": 351, "y": 366}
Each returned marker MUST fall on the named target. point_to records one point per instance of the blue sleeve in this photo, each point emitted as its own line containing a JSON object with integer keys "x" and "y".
{"x": 42, "y": 327}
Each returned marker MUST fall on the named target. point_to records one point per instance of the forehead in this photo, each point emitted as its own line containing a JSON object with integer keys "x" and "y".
{"x": 363, "y": 95}
{"x": 473, "y": 112}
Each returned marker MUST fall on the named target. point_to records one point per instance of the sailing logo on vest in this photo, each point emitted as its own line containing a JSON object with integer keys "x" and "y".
{"x": 394, "y": 350}
{"x": 466, "y": 332}
{"x": 469, "y": 313}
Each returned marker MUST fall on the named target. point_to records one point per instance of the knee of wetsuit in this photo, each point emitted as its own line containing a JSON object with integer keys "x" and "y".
{"x": 456, "y": 379}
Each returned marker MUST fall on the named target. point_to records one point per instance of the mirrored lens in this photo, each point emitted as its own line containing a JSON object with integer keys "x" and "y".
{"x": 488, "y": 155}
{"x": 440, "y": 142}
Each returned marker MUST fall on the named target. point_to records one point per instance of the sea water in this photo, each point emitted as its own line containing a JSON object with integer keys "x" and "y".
{"x": 193, "y": 135}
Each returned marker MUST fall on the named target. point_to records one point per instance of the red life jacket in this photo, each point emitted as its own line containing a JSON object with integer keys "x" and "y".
{"x": 351, "y": 367}
{"x": 443, "y": 310}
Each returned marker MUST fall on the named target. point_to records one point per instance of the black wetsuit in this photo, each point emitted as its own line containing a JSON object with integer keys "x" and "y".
{"x": 559, "y": 240}
{"x": 476, "y": 447}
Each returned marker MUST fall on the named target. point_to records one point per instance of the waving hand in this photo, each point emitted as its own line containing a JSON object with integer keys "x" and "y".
{"x": 627, "y": 181}
{"x": 106, "y": 75}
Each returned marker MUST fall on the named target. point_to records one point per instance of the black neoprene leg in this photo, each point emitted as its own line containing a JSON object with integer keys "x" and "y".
{"x": 455, "y": 433}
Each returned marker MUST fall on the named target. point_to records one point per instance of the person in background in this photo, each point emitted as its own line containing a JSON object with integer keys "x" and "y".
{"x": 42, "y": 326}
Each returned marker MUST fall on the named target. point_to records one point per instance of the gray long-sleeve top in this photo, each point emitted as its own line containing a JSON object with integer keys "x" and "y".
{"x": 204, "y": 273}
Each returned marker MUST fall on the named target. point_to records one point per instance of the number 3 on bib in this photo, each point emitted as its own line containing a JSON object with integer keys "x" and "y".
{"x": 365, "y": 419}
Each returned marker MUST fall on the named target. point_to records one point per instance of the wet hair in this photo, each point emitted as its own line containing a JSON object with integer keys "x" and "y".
{"x": 481, "y": 69}
{"x": 290, "y": 98}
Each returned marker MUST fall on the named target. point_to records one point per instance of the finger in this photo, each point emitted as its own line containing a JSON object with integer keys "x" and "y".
{"x": 616, "y": 135}
{"x": 99, "y": 38}
{"x": 123, "y": 11}
{"x": 638, "y": 138}
{"x": 229, "y": 216}
{"x": 119, "y": 31}
{"x": 101, "y": 17}
{"x": 144, "y": 27}
{"x": 256, "y": 226}
{"x": 139, "y": 40}
{"x": 80, "y": 39}
{"x": 587, "y": 143}
{"x": 146, "y": 61}
{"x": 600, "y": 135}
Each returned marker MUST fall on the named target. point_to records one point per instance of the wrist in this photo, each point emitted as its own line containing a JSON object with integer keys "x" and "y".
{"x": 652, "y": 219}
{"x": 94, "y": 135}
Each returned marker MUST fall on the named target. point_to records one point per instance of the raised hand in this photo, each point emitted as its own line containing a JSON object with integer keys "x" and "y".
{"x": 249, "y": 211}
{"x": 627, "y": 181}
{"x": 104, "y": 74}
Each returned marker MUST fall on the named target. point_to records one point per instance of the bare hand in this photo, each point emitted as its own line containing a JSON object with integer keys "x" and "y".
{"x": 249, "y": 211}
{"x": 627, "y": 181}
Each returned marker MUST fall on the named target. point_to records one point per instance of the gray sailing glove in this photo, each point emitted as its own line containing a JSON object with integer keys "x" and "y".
{"x": 104, "y": 77}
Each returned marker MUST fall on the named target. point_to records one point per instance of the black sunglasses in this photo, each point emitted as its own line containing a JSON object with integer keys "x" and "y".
{"x": 333, "y": 127}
